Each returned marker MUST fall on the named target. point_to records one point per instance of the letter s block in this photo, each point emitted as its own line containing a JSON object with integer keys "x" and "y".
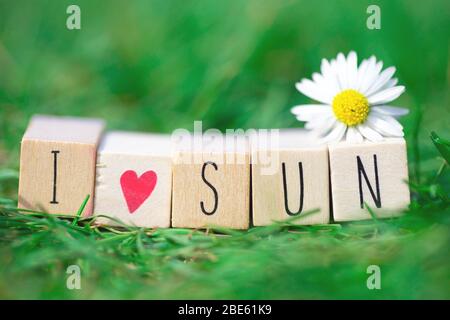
{"x": 369, "y": 173}
{"x": 57, "y": 164}
{"x": 211, "y": 183}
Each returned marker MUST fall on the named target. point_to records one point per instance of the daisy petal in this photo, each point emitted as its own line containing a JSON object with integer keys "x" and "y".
{"x": 308, "y": 111}
{"x": 394, "y": 122}
{"x": 384, "y": 77}
{"x": 336, "y": 133}
{"x": 342, "y": 71}
{"x": 361, "y": 71}
{"x": 369, "y": 133}
{"x": 387, "y": 95}
{"x": 310, "y": 89}
{"x": 384, "y": 127}
{"x": 329, "y": 77}
{"x": 366, "y": 70}
{"x": 317, "y": 123}
{"x": 328, "y": 90}
{"x": 390, "y": 83}
{"x": 325, "y": 128}
{"x": 335, "y": 72}
{"x": 352, "y": 69}
{"x": 353, "y": 135}
{"x": 390, "y": 111}
{"x": 325, "y": 67}
{"x": 372, "y": 72}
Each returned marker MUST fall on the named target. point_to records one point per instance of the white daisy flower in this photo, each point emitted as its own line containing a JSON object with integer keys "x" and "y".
{"x": 354, "y": 100}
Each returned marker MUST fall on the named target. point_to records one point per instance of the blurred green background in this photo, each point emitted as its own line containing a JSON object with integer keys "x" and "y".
{"x": 159, "y": 65}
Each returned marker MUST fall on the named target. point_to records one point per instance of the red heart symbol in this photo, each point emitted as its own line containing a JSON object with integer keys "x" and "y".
{"x": 137, "y": 189}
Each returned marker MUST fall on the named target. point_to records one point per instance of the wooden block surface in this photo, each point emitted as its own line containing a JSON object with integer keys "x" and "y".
{"x": 134, "y": 179}
{"x": 372, "y": 173}
{"x": 211, "y": 184}
{"x": 289, "y": 178}
{"x": 57, "y": 164}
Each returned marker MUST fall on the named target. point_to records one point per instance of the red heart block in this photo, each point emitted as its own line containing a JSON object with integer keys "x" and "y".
{"x": 137, "y": 189}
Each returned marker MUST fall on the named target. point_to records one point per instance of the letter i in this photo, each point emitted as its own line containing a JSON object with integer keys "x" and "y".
{"x": 55, "y": 172}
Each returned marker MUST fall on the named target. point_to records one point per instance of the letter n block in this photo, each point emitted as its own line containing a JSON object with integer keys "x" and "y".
{"x": 289, "y": 178}
{"x": 369, "y": 173}
{"x": 211, "y": 182}
{"x": 57, "y": 164}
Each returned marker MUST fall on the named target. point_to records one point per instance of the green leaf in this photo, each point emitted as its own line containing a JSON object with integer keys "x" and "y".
{"x": 442, "y": 145}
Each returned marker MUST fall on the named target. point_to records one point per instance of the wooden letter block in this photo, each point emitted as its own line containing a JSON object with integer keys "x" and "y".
{"x": 371, "y": 173}
{"x": 134, "y": 179}
{"x": 289, "y": 179}
{"x": 211, "y": 184}
{"x": 57, "y": 164}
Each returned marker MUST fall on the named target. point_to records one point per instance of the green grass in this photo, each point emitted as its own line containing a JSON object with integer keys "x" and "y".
{"x": 160, "y": 65}
{"x": 274, "y": 262}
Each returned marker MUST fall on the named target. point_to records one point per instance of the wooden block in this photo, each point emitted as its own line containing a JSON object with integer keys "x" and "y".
{"x": 57, "y": 164}
{"x": 211, "y": 183}
{"x": 372, "y": 173}
{"x": 134, "y": 179}
{"x": 289, "y": 178}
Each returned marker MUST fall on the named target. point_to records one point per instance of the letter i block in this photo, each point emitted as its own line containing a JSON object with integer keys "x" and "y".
{"x": 372, "y": 174}
{"x": 134, "y": 180}
{"x": 211, "y": 182}
{"x": 57, "y": 164}
{"x": 290, "y": 178}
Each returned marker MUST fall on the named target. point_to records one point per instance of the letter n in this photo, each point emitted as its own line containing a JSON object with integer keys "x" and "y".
{"x": 362, "y": 173}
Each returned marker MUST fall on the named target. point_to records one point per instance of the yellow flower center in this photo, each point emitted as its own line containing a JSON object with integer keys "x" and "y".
{"x": 350, "y": 107}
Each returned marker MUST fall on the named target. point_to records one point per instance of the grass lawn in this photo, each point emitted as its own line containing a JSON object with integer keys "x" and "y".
{"x": 156, "y": 66}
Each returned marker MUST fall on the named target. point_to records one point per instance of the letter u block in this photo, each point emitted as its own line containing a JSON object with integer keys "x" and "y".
{"x": 211, "y": 182}
{"x": 372, "y": 174}
{"x": 290, "y": 178}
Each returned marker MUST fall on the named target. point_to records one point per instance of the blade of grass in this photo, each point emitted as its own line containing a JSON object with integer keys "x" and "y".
{"x": 442, "y": 145}
{"x": 80, "y": 210}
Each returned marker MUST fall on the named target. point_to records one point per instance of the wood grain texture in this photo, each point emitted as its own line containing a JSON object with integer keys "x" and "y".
{"x": 142, "y": 154}
{"x": 347, "y": 172}
{"x": 306, "y": 180}
{"x": 227, "y": 171}
{"x": 57, "y": 164}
